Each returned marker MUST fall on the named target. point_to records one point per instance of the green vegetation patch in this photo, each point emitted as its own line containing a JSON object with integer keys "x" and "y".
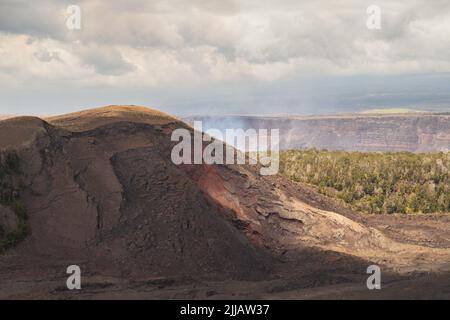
{"x": 375, "y": 182}
{"x": 9, "y": 197}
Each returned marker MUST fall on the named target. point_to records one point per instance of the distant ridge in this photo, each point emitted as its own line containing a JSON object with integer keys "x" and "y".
{"x": 370, "y": 132}
{"x": 392, "y": 110}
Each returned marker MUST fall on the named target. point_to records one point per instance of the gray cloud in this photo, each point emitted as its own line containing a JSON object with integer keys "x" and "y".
{"x": 190, "y": 46}
{"x": 106, "y": 61}
{"x": 47, "y": 56}
{"x": 43, "y": 18}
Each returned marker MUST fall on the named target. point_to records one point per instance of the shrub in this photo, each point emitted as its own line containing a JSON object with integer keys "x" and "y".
{"x": 9, "y": 197}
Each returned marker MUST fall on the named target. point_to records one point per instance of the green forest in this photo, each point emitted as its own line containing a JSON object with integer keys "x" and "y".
{"x": 377, "y": 183}
{"x": 9, "y": 197}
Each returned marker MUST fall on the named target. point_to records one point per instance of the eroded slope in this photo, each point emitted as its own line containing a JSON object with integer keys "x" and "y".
{"x": 105, "y": 194}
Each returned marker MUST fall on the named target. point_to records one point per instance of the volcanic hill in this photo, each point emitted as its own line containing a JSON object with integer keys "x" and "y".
{"x": 100, "y": 191}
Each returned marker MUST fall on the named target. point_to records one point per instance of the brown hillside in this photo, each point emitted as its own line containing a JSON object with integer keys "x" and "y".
{"x": 92, "y": 118}
{"x": 101, "y": 191}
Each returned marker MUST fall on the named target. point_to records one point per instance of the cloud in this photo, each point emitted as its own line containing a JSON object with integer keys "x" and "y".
{"x": 105, "y": 61}
{"x": 174, "y": 43}
{"x": 43, "y": 18}
{"x": 46, "y": 56}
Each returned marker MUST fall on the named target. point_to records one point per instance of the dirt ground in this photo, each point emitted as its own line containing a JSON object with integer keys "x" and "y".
{"x": 308, "y": 274}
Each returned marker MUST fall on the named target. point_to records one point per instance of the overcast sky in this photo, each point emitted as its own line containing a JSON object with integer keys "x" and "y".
{"x": 223, "y": 56}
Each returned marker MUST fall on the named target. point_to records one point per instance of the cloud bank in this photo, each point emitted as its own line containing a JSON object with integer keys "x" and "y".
{"x": 162, "y": 46}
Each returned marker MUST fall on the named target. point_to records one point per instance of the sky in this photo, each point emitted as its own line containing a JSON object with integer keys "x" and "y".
{"x": 224, "y": 56}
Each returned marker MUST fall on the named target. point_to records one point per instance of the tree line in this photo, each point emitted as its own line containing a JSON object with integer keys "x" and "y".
{"x": 377, "y": 183}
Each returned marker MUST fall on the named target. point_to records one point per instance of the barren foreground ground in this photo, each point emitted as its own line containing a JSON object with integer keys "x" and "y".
{"x": 315, "y": 275}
